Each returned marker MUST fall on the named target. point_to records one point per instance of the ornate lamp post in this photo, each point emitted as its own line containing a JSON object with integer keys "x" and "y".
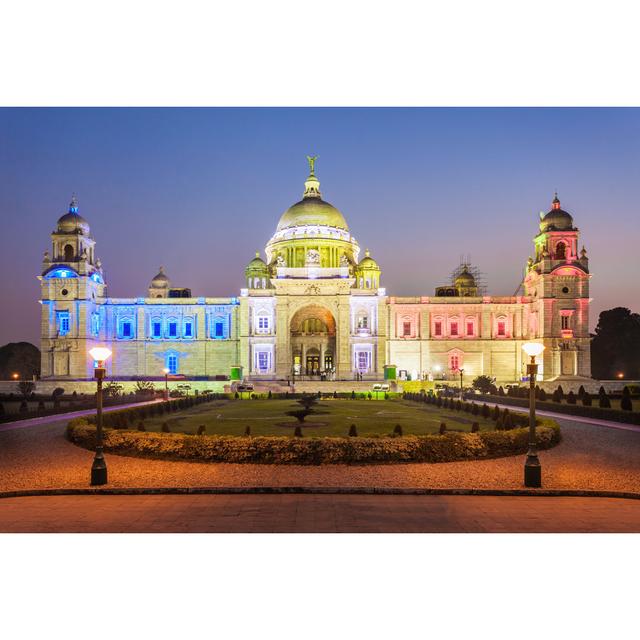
{"x": 461, "y": 371}
{"x": 532, "y": 469}
{"x": 166, "y": 384}
{"x": 99, "y": 467}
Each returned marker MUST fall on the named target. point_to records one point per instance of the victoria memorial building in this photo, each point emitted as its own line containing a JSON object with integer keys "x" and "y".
{"x": 314, "y": 305}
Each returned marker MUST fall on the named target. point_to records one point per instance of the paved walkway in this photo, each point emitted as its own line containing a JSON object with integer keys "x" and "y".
{"x": 65, "y": 417}
{"x": 317, "y": 514}
{"x": 590, "y": 457}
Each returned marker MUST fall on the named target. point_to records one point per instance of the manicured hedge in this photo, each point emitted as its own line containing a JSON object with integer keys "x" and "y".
{"x": 448, "y": 447}
{"x": 616, "y": 415}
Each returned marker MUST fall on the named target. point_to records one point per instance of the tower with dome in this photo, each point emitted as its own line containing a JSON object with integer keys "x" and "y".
{"x": 312, "y": 307}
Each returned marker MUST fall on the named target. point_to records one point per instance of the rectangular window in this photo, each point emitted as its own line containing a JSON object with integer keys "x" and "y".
{"x": 454, "y": 361}
{"x": 218, "y": 329}
{"x": 502, "y": 328}
{"x": 363, "y": 360}
{"x": 406, "y": 329}
{"x": 173, "y": 329}
{"x": 172, "y": 363}
{"x": 263, "y": 324}
{"x": 127, "y": 331}
{"x": 565, "y": 322}
{"x": 454, "y": 328}
{"x": 437, "y": 328}
{"x": 469, "y": 328}
{"x": 363, "y": 322}
{"x": 156, "y": 329}
{"x": 188, "y": 329}
{"x": 263, "y": 360}
{"x": 64, "y": 323}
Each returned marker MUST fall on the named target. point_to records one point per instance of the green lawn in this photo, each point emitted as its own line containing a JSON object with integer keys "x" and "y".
{"x": 371, "y": 417}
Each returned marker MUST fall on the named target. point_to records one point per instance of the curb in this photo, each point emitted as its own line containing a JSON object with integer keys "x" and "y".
{"x": 409, "y": 491}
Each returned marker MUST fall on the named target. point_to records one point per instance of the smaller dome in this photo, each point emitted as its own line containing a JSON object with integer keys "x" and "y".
{"x": 257, "y": 265}
{"x": 72, "y": 221}
{"x": 368, "y": 262}
{"x": 161, "y": 280}
{"x": 556, "y": 219}
{"x": 465, "y": 279}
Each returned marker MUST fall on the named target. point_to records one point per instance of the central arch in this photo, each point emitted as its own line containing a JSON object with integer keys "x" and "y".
{"x": 313, "y": 342}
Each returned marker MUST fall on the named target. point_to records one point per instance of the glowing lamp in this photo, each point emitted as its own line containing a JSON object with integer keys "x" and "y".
{"x": 165, "y": 371}
{"x": 621, "y": 375}
{"x": 437, "y": 368}
{"x": 533, "y": 349}
{"x": 15, "y": 376}
{"x": 100, "y": 354}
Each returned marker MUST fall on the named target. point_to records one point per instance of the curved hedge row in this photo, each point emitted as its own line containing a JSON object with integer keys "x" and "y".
{"x": 448, "y": 447}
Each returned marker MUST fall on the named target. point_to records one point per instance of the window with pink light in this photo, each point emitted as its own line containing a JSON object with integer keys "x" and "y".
{"x": 470, "y": 327}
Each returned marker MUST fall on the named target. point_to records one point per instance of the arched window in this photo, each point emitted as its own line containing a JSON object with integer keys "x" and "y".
{"x": 172, "y": 328}
{"x": 501, "y": 327}
{"x": 68, "y": 253}
{"x": 561, "y": 251}
{"x": 362, "y": 321}
{"x": 171, "y": 362}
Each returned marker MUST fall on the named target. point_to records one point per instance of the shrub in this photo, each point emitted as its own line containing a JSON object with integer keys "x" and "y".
{"x": 369, "y": 396}
{"x": 439, "y": 401}
{"x": 23, "y": 407}
{"x": 495, "y": 414}
{"x": 475, "y": 427}
{"x": 475, "y": 409}
{"x": 571, "y": 398}
{"x": 397, "y": 430}
{"x": 353, "y": 395}
{"x": 297, "y": 433}
{"x": 335, "y": 395}
{"x": 236, "y": 395}
{"x": 581, "y": 392}
{"x": 201, "y": 430}
{"x": 586, "y": 399}
{"x": 26, "y": 388}
{"x": 555, "y": 396}
{"x": 483, "y": 384}
{"x": 499, "y": 425}
{"x": 603, "y": 399}
{"x": 507, "y": 420}
{"x": 41, "y": 407}
{"x": 57, "y": 393}
{"x": 500, "y": 391}
{"x": 269, "y": 395}
{"x": 560, "y": 393}
{"x": 247, "y": 429}
{"x": 1, "y": 409}
{"x": 448, "y": 447}
{"x": 141, "y": 426}
{"x": 165, "y": 427}
{"x": 443, "y": 428}
{"x": 543, "y": 395}
{"x": 485, "y": 411}
{"x": 353, "y": 432}
{"x": 458, "y": 405}
{"x": 625, "y": 402}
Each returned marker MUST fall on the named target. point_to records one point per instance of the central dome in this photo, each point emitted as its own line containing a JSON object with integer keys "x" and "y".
{"x": 312, "y": 211}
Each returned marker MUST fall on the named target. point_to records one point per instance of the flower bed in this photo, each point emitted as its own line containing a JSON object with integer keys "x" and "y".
{"x": 448, "y": 447}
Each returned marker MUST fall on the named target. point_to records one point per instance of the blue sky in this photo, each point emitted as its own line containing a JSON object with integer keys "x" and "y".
{"x": 200, "y": 190}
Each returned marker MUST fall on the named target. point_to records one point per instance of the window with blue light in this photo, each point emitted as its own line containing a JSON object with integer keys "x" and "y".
{"x": 156, "y": 329}
{"x": 218, "y": 328}
{"x": 64, "y": 322}
{"x": 95, "y": 324}
{"x": 172, "y": 329}
{"x": 62, "y": 273}
{"x": 127, "y": 329}
{"x": 172, "y": 363}
{"x": 188, "y": 328}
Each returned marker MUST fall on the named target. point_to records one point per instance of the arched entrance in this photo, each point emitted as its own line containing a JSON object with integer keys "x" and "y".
{"x": 313, "y": 343}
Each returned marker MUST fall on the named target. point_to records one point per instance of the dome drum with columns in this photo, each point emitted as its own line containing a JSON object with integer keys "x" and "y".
{"x": 313, "y": 309}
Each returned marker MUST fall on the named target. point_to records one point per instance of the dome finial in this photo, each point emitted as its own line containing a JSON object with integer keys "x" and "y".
{"x": 257, "y": 254}
{"x": 73, "y": 205}
{"x": 312, "y": 184}
{"x": 556, "y": 200}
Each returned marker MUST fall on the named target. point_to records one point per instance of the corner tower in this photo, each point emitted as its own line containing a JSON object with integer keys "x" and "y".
{"x": 72, "y": 287}
{"x": 557, "y": 280}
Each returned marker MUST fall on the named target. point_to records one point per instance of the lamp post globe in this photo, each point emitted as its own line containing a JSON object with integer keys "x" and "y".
{"x": 99, "y": 467}
{"x": 532, "y": 468}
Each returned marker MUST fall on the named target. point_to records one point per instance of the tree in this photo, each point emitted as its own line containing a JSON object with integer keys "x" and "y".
{"x": 353, "y": 431}
{"x": 113, "y": 389}
{"x": 603, "y": 399}
{"x": 571, "y": 398}
{"x": 144, "y": 388}
{"x": 22, "y": 358}
{"x": 483, "y": 384}
{"x": 26, "y": 388}
{"x": 615, "y": 347}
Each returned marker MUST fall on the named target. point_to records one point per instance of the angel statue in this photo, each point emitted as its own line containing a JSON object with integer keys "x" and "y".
{"x": 281, "y": 262}
{"x": 313, "y": 256}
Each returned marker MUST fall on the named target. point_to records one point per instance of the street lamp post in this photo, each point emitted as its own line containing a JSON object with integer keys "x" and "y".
{"x": 461, "y": 393}
{"x": 166, "y": 384}
{"x": 532, "y": 468}
{"x": 99, "y": 466}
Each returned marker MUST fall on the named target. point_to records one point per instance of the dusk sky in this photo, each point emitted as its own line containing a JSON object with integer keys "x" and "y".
{"x": 200, "y": 190}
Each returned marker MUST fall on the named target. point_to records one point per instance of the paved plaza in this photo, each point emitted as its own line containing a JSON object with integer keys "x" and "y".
{"x": 303, "y": 513}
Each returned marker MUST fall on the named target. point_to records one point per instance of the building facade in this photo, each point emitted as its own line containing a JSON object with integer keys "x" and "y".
{"x": 314, "y": 307}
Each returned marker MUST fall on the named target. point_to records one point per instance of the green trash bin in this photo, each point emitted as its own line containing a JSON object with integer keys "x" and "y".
{"x": 236, "y": 373}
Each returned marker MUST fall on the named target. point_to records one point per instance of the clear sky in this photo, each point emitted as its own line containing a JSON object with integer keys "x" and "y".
{"x": 200, "y": 190}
